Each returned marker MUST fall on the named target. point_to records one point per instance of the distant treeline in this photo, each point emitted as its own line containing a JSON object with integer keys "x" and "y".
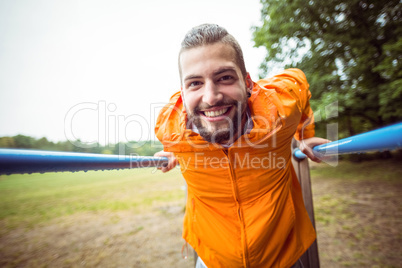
{"x": 26, "y": 142}
{"x": 144, "y": 148}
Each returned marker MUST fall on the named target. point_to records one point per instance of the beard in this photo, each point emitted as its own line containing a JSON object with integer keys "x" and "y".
{"x": 214, "y": 133}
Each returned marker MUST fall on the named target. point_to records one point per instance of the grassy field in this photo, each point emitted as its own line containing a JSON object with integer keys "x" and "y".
{"x": 27, "y": 200}
{"x": 358, "y": 211}
{"x": 133, "y": 218}
{"x": 129, "y": 218}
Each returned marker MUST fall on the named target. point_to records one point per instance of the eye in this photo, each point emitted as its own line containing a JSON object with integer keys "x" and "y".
{"x": 194, "y": 84}
{"x": 226, "y": 77}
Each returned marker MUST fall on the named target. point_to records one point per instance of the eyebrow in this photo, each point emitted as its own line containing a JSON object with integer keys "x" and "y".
{"x": 189, "y": 77}
{"x": 224, "y": 69}
{"x": 215, "y": 73}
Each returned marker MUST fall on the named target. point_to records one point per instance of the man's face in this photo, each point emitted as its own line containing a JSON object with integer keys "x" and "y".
{"x": 214, "y": 91}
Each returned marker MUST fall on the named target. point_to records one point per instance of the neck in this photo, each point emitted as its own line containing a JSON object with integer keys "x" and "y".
{"x": 240, "y": 130}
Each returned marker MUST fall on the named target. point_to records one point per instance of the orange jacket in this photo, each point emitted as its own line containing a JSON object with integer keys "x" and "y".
{"x": 244, "y": 205}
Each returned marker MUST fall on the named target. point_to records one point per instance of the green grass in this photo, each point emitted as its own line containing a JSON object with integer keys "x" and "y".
{"x": 333, "y": 205}
{"x": 385, "y": 170}
{"x": 357, "y": 206}
{"x": 26, "y": 200}
{"x": 357, "y": 212}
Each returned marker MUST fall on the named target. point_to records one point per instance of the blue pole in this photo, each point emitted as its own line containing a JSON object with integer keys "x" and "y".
{"x": 15, "y": 161}
{"x": 387, "y": 138}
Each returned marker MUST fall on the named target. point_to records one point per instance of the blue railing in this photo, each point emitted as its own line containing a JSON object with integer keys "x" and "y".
{"x": 387, "y": 138}
{"x": 16, "y": 161}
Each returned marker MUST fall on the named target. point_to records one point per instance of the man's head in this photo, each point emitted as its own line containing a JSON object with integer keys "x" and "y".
{"x": 215, "y": 84}
{"x": 208, "y": 34}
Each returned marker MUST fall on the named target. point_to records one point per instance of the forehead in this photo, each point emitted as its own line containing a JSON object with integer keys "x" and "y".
{"x": 204, "y": 59}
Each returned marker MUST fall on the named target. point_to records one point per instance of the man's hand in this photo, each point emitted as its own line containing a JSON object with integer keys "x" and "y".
{"x": 172, "y": 161}
{"x": 307, "y": 145}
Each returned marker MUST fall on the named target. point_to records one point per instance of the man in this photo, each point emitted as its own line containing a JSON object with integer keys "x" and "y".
{"x": 232, "y": 139}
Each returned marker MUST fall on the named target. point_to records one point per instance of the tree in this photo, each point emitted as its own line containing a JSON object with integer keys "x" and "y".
{"x": 44, "y": 144}
{"x": 24, "y": 142}
{"x": 351, "y": 52}
{"x": 7, "y": 142}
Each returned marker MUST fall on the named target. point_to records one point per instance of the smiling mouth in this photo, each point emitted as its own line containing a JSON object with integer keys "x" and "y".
{"x": 216, "y": 113}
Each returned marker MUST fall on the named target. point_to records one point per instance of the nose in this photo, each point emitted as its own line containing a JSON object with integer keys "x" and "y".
{"x": 211, "y": 95}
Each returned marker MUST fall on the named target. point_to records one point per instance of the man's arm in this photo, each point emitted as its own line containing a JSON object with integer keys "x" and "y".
{"x": 307, "y": 145}
{"x": 172, "y": 160}
{"x": 305, "y": 130}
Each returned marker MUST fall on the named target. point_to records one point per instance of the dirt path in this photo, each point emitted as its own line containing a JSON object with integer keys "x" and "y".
{"x": 102, "y": 240}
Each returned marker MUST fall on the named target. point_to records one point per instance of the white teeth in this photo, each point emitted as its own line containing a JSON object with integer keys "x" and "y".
{"x": 215, "y": 113}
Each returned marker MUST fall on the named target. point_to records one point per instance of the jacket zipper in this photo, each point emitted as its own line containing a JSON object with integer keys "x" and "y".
{"x": 239, "y": 211}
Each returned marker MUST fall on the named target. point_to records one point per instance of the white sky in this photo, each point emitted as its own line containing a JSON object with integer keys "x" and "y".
{"x": 100, "y": 70}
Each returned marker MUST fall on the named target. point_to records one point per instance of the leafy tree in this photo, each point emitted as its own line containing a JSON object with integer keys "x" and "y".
{"x": 44, "y": 144}
{"x": 64, "y": 146}
{"x": 7, "y": 142}
{"x": 351, "y": 52}
{"x": 146, "y": 148}
{"x": 24, "y": 142}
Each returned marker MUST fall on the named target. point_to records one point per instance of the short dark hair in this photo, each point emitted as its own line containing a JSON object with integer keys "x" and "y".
{"x": 208, "y": 34}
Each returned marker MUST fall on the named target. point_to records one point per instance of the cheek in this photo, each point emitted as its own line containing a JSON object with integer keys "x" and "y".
{"x": 237, "y": 94}
{"x": 190, "y": 100}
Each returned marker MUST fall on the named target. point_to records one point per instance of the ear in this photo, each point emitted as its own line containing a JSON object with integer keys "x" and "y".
{"x": 249, "y": 84}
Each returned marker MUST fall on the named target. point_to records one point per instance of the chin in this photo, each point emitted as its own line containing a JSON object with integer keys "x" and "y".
{"x": 216, "y": 137}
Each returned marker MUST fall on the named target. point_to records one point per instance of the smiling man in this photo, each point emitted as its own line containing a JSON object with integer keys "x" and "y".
{"x": 232, "y": 138}
{"x": 214, "y": 91}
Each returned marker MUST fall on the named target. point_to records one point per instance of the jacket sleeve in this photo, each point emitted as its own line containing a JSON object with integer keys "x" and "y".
{"x": 292, "y": 84}
{"x": 305, "y": 128}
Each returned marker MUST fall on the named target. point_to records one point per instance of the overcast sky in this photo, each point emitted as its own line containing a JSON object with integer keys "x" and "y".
{"x": 100, "y": 70}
